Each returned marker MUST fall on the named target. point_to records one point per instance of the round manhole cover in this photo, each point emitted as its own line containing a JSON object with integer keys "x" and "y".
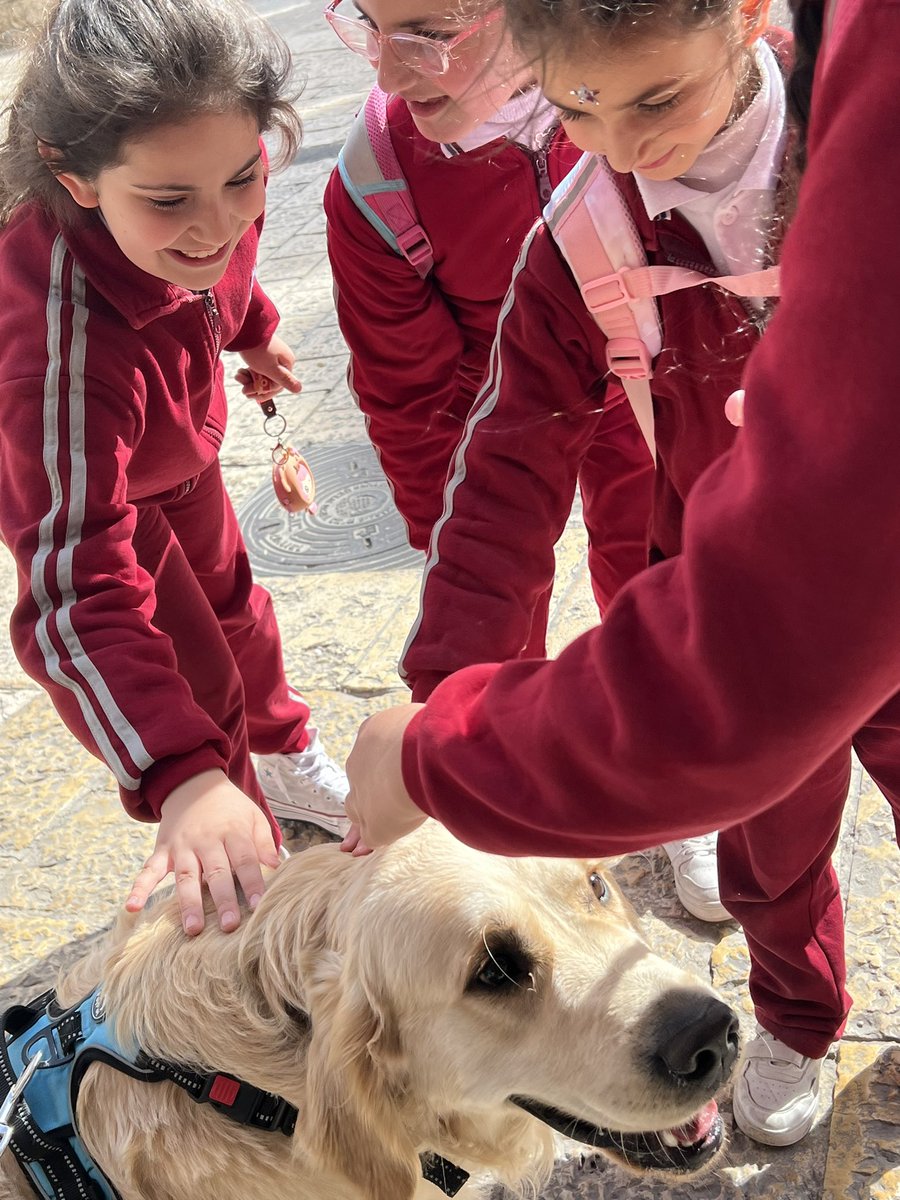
{"x": 356, "y": 528}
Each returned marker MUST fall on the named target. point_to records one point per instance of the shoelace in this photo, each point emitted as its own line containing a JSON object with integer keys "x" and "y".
{"x": 321, "y": 771}
{"x": 700, "y": 846}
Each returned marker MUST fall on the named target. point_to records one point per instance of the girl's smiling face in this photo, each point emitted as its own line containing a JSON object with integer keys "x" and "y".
{"x": 658, "y": 101}
{"x": 484, "y": 71}
{"x": 181, "y": 197}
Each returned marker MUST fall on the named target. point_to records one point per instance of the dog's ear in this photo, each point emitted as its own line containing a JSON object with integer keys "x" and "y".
{"x": 355, "y": 1089}
{"x": 289, "y": 929}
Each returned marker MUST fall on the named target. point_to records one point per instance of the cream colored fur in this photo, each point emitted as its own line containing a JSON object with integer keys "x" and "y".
{"x": 398, "y": 1053}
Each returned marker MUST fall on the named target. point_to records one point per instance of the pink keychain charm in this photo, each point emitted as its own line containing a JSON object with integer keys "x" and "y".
{"x": 292, "y": 477}
{"x": 293, "y": 480}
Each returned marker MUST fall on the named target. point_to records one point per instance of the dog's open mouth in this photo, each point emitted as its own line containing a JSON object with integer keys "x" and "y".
{"x": 684, "y": 1149}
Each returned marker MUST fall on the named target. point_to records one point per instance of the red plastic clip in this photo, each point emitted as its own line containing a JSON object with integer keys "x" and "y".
{"x": 224, "y": 1090}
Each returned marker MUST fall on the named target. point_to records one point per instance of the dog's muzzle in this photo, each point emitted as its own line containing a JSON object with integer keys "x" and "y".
{"x": 683, "y": 1150}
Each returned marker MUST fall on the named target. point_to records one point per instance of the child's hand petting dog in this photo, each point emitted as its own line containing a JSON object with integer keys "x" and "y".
{"x": 379, "y": 805}
{"x": 269, "y": 369}
{"x": 209, "y": 831}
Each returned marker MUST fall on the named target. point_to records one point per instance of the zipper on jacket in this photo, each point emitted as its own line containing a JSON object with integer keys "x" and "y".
{"x": 545, "y": 187}
{"x": 215, "y": 321}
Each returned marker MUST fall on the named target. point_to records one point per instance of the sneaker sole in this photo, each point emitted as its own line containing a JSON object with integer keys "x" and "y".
{"x": 764, "y": 1136}
{"x": 715, "y": 914}
{"x": 311, "y": 816}
{"x": 711, "y": 910}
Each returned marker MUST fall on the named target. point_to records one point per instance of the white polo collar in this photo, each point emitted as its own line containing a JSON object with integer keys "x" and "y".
{"x": 526, "y": 119}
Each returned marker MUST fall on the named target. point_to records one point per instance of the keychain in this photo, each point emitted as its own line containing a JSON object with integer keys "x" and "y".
{"x": 292, "y": 477}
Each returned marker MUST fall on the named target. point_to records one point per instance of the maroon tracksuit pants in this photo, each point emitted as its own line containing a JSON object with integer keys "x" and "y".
{"x": 222, "y": 625}
{"x": 616, "y": 482}
{"x": 777, "y": 879}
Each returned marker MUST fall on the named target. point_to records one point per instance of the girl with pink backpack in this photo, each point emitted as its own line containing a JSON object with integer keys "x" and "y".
{"x": 447, "y": 167}
{"x": 717, "y": 692}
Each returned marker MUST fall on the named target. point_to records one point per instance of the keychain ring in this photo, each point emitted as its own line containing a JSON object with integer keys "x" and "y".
{"x": 279, "y": 454}
{"x": 271, "y": 426}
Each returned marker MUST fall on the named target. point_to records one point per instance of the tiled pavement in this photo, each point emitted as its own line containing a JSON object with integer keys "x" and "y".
{"x": 67, "y": 853}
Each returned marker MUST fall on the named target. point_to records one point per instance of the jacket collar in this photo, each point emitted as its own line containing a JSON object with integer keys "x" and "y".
{"x": 137, "y": 296}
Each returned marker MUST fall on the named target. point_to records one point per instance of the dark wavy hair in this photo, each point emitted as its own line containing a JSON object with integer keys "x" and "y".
{"x": 541, "y": 27}
{"x": 808, "y": 19}
{"x": 102, "y": 73}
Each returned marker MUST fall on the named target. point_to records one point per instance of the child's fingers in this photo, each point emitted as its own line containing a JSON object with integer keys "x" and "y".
{"x": 290, "y": 381}
{"x": 351, "y": 839}
{"x": 353, "y": 843}
{"x": 281, "y": 377}
{"x": 264, "y": 841}
{"x": 246, "y": 855}
{"x": 154, "y": 870}
{"x": 189, "y": 893}
{"x": 217, "y": 872}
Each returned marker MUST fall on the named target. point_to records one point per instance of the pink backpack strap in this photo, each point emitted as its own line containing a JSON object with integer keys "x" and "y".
{"x": 593, "y": 226}
{"x": 374, "y": 180}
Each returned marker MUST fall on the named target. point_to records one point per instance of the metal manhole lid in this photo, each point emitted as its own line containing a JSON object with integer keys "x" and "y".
{"x": 356, "y": 528}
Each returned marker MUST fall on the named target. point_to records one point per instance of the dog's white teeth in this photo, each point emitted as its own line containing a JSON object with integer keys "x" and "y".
{"x": 668, "y": 1138}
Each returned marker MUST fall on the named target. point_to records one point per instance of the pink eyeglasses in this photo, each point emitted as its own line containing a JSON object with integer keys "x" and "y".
{"x": 423, "y": 54}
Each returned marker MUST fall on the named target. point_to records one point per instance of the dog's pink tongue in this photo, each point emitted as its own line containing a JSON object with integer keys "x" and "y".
{"x": 697, "y": 1127}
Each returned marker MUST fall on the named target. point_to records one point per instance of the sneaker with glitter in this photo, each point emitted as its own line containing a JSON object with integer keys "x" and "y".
{"x": 696, "y": 871}
{"x": 305, "y": 786}
{"x": 776, "y": 1095}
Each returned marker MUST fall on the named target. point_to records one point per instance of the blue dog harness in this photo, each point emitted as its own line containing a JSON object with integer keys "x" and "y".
{"x": 42, "y": 1130}
{"x": 45, "y": 1138}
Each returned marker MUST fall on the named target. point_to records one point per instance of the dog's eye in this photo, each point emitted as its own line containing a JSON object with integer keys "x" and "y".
{"x": 599, "y": 886}
{"x": 502, "y": 970}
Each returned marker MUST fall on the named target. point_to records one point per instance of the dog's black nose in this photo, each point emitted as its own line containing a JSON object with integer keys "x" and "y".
{"x": 698, "y": 1040}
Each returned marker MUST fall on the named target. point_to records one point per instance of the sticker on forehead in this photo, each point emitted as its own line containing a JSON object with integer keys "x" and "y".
{"x": 584, "y": 95}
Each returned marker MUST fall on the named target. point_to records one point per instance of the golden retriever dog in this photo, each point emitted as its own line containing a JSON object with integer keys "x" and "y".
{"x": 426, "y": 999}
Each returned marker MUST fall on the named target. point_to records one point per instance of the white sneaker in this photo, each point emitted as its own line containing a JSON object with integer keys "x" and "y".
{"x": 697, "y": 876}
{"x": 776, "y": 1095}
{"x": 305, "y": 786}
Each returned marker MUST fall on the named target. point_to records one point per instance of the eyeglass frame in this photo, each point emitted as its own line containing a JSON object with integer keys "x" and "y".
{"x": 443, "y": 48}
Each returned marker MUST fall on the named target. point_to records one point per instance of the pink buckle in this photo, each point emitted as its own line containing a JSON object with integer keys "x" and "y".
{"x": 629, "y": 358}
{"x": 415, "y": 245}
{"x": 615, "y": 284}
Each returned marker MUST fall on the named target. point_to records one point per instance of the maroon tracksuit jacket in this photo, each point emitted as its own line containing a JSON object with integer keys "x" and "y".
{"x": 726, "y": 684}
{"x": 136, "y": 610}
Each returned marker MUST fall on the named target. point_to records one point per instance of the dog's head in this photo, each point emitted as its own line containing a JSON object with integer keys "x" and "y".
{"x": 446, "y": 987}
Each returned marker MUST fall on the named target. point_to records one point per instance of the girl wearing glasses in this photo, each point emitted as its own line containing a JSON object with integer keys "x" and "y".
{"x": 480, "y": 152}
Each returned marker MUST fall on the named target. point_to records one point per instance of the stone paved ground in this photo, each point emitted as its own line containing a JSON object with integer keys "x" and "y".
{"x": 67, "y": 854}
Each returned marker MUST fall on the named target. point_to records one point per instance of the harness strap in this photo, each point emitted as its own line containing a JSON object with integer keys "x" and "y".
{"x": 50, "y": 1162}
{"x": 237, "y": 1099}
{"x": 442, "y": 1173}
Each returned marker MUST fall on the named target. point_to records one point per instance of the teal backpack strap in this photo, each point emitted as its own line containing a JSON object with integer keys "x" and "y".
{"x": 374, "y": 180}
